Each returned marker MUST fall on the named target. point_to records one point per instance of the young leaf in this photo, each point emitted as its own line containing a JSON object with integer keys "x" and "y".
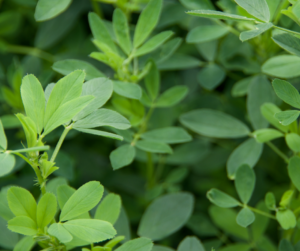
{"x": 218, "y": 15}
{"x": 100, "y": 133}
{"x": 293, "y": 141}
{"x": 122, "y": 156}
{"x": 259, "y": 29}
{"x": 29, "y": 128}
{"x": 206, "y": 33}
{"x": 221, "y": 199}
{"x": 288, "y": 42}
{"x": 169, "y": 135}
{"x": 245, "y": 183}
{"x": 287, "y": 117}
{"x": 67, "y": 66}
{"x": 270, "y": 201}
{"x": 7, "y": 163}
{"x": 265, "y": 135}
{"x": 211, "y": 76}
{"x": 21, "y": 202}
{"x": 257, "y": 8}
{"x": 206, "y": 122}
{"x": 46, "y": 210}
{"x": 139, "y": 244}
{"x": 286, "y": 219}
{"x": 287, "y": 92}
{"x": 147, "y": 22}
{"x": 112, "y": 243}
{"x": 47, "y": 9}
{"x": 22, "y": 225}
{"x": 268, "y": 110}
{"x": 245, "y": 217}
{"x": 190, "y": 243}
{"x": 109, "y": 208}
{"x": 286, "y": 198}
{"x": 166, "y": 215}
{"x": 294, "y": 170}
{"x": 153, "y": 147}
{"x": 25, "y": 244}
{"x": 90, "y": 230}
{"x": 152, "y": 81}
{"x": 3, "y": 140}
{"x": 128, "y": 90}
{"x": 57, "y": 230}
{"x": 83, "y": 200}
{"x": 172, "y": 96}
{"x": 34, "y": 100}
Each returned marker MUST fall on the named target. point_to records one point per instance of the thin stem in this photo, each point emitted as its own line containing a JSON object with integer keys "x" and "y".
{"x": 22, "y": 156}
{"x": 230, "y": 28}
{"x": 287, "y": 30}
{"x": 280, "y": 153}
{"x": 59, "y": 143}
{"x": 97, "y": 8}
{"x": 262, "y": 213}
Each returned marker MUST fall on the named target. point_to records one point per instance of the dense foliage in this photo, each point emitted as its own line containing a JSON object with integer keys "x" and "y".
{"x": 149, "y": 125}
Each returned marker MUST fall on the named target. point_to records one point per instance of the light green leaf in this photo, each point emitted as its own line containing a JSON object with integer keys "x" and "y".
{"x": 286, "y": 198}
{"x": 128, "y": 90}
{"x": 257, "y": 8}
{"x": 241, "y": 87}
{"x": 221, "y": 199}
{"x": 270, "y": 201}
{"x": 166, "y": 215}
{"x": 265, "y": 135}
{"x": 269, "y": 110}
{"x": 172, "y": 96}
{"x": 190, "y": 243}
{"x": 153, "y": 147}
{"x": 46, "y": 210}
{"x": 218, "y": 15}
{"x": 29, "y": 128}
{"x": 90, "y": 230}
{"x": 103, "y": 117}
{"x": 283, "y": 66}
{"x": 293, "y": 141}
{"x": 47, "y": 9}
{"x": 206, "y": 33}
{"x": 259, "y": 29}
{"x": 286, "y": 219}
{"x": 288, "y": 42}
{"x": 152, "y": 81}
{"x": 7, "y": 163}
{"x": 122, "y": 156}
{"x": 139, "y": 244}
{"x": 64, "y": 192}
{"x": 211, "y": 76}
{"x": 273, "y": 7}
{"x": 294, "y": 170}
{"x": 244, "y": 183}
{"x": 287, "y": 117}
{"x": 3, "y": 139}
{"x": 153, "y": 43}
{"x": 21, "y": 202}
{"x": 34, "y": 100}
{"x": 214, "y": 124}
{"x": 25, "y": 244}
{"x": 247, "y": 153}
{"x": 101, "y": 89}
{"x": 67, "y": 66}
{"x": 109, "y": 208}
{"x": 169, "y": 135}
{"x": 147, "y": 22}
{"x": 287, "y": 92}
{"x": 22, "y": 225}
{"x": 100, "y": 133}
{"x": 112, "y": 243}
{"x": 83, "y": 200}
{"x": 245, "y": 217}
{"x": 57, "y": 230}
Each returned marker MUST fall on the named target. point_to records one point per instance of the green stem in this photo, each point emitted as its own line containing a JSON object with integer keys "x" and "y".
{"x": 262, "y": 213}
{"x": 280, "y": 153}
{"x": 230, "y": 28}
{"x": 59, "y": 143}
{"x": 287, "y": 30}
{"x": 97, "y": 8}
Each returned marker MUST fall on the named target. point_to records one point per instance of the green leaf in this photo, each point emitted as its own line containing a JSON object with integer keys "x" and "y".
{"x": 270, "y": 201}
{"x": 83, "y": 200}
{"x": 293, "y": 141}
{"x": 211, "y": 76}
{"x": 288, "y": 42}
{"x": 67, "y": 66}
{"x": 109, "y": 208}
{"x": 66, "y": 112}
{"x": 122, "y": 156}
{"x": 286, "y": 219}
{"x": 190, "y": 243}
{"x": 179, "y": 62}
{"x": 7, "y": 163}
{"x": 245, "y": 217}
{"x": 103, "y": 117}
{"x": 34, "y": 100}
{"x": 3, "y": 139}
{"x": 25, "y": 244}
{"x": 112, "y": 243}
{"x": 245, "y": 182}
{"x": 139, "y": 244}
{"x": 121, "y": 29}
{"x": 283, "y": 66}
{"x": 153, "y": 147}
{"x": 206, "y": 122}
{"x": 48, "y": 9}
{"x": 169, "y": 135}
{"x": 287, "y": 117}
{"x": 22, "y": 225}
{"x": 287, "y": 92}
{"x": 5, "y": 211}
{"x": 64, "y": 192}
{"x": 153, "y": 43}
{"x": 294, "y": 170}
{"x": 100, "y": 133}
{"x": 166, "y": 215}
{"x": 206, "y": 33}
{"x": 172, "y": 96}
{"x": 147, "y": 22}
{"x": 128, "y": 90}
{"x": 208, "y": 50}
{"x": 101, "y": 89}
{"x": 221, "y": 199}
{"x": 265, "y": 135}
{"x": 218, "y": 15}
{"x": 247, "y": 153}
{"x": 90, "y": 230}
{"x": 285, "y": 245}
{"x": 152, "y": 81}
{"x": 57, "y": 230}
{"x": 241, "y": 87}
{"x": 286, "y": 198}
{"x": 196, "y": 4}
{"x": 46, "y": 210}
{"x": 259, "y": 29}
{"x": 29, "y": 128}
{"x": 257, "y": 8}
{"x": 269, "y": 110}
{"x": 21, "y": 202}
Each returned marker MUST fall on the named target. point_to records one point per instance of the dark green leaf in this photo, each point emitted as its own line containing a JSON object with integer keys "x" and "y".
{"x": 245, "y": 217}
{"x": 153, "y": 147}
{"x": 128, "y": 90}
{"x": 206, "y": 33}
{"x": 47, "y": 9}
{"x": 245, "y": 183}
{"x": 122, "y": 156}
{"x": 172, "y": 96}
{"x": 221, "y": 199}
